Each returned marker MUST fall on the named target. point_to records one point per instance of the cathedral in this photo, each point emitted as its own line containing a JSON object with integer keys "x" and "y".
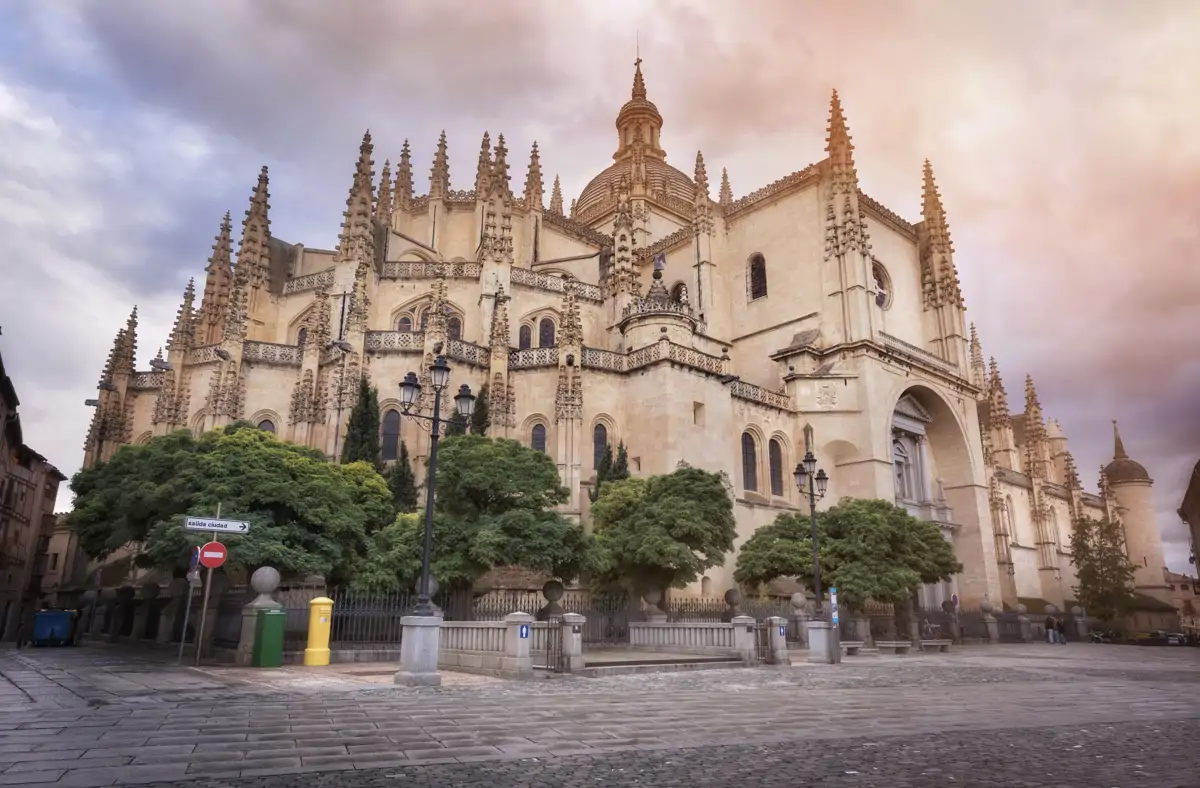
{"x": 730, "y": 333}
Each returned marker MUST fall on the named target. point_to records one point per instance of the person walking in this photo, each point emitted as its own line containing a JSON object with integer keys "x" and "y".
{"x": 1051, "y": 629}
{"x": 1062, "y": 631}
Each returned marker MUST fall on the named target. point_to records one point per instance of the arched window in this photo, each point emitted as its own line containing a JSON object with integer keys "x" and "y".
{"x": 679, "y": 293}
{"x": 389, "y": 447}
{"x": 706, "y": 586}
{"x": 302, "y": 337}
{"x": 599, "y": 444}
{"x": 537, "y": 437}
{"x": 525, "y": 338}
{"x": 883, "y": 289}
{"x": 1012, "y": 520}
{"x": 266, "y": 425}
{"x": 454, "y": 327}
{"x": 749, "y": 463}
{"x": 404, "y": 323}
{"x": 775, "y": 455}
{"x": 757, "y": 272}
{"x": 424, "y": 319}
{"x": 546, "y": 333}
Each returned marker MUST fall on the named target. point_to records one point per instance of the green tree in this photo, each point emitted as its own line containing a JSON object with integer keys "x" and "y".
{"x": 362, "y": 432}
{"x": 1103, "y": 568}
{"x": 481, "y": 417}
{"x": 306, "y": 514}
{"x": 663, "y": 531}
{"x": 494, "y": 507}
{"x": 403, "y": 482}
{"x": 869, "y": 550}
{"x": 611, "y": 469}
{"x": 456, "y": 425}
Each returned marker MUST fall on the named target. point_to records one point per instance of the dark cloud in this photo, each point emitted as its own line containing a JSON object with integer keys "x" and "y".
{"x": 1063, "y": 140}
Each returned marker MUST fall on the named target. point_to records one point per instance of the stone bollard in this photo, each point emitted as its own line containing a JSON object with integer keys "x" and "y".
{"x": 264, "y": 581}
{"x": 779, "y": 649}
{"x": 744, "y": 639}
{"x": 800, "y": 617}
{"x": 320, "y": 614}
{"x": 1025, "y": 623}
{"x": 572, "y": 642}
{"x": 824, "y": 646}
{"x": 518, "y": 646}
{"x": 989, "y": 621}
{"x": 653, "y": 613}
{"x": 419, "y": 652}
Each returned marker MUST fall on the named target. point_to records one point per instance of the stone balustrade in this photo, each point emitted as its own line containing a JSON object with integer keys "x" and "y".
{"x": 684, "y": 637}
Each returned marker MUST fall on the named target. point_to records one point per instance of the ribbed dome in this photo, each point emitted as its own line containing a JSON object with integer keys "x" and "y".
{"x": 1123, "y": 469}
{"x": 658, "y": 173}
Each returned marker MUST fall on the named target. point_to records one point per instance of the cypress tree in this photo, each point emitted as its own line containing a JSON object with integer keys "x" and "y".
{"x": 481, "y": 417}
{"x": 362, "y": 433}
{"x": 456, "y": 425}
{"x": 403, "y": 483}
{"x": 611, "y": 469}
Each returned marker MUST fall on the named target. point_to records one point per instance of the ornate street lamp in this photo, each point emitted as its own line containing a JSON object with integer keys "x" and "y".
{"x": 812, "y": 484}
{"x": 464, "y": 404}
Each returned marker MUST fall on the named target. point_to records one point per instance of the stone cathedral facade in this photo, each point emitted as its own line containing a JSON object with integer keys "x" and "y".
{"x": 727, "y": 333}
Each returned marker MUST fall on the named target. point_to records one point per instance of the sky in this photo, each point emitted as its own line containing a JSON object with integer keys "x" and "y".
{"x": 1063, "y": 136}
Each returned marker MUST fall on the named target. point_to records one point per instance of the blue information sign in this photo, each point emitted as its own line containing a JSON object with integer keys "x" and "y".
{"x": 194, "y": 559}
{"x": 524, "y": 631}
{"x": 833, "y": 613}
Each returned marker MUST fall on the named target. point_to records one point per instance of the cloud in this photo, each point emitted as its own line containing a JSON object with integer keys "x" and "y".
{"x": 1062, "y": 139}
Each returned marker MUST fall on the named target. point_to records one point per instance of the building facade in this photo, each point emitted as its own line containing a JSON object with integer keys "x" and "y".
{"x": 28, "y": 490}
{"x": 728, "y": 333}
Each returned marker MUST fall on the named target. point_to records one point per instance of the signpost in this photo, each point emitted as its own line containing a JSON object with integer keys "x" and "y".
{"x": 833, "y": 613}
{"x": 211, "y": 556}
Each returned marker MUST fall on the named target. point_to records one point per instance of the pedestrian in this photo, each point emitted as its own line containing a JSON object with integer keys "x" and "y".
{"x": 1062, "y": 632}
{"x": 1051, "y": 630}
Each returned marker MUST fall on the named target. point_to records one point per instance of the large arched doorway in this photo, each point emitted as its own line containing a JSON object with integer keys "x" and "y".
{"x": 933, "y": 476}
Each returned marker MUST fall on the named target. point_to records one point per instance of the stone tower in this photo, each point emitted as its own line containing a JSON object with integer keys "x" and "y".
{"x": 1133, "y": 490}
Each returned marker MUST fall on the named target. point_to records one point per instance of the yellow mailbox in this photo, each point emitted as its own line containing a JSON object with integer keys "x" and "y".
{"x": 320, "y": 614}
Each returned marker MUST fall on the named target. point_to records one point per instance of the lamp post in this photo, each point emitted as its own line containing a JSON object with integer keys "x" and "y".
{"x": 464, "y": 403}
{"x": 812, "y": 484}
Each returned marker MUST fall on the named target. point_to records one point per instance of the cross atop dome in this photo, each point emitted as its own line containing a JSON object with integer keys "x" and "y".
{"x": 638, "y": 122}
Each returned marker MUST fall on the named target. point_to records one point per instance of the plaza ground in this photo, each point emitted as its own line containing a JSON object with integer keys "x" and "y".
{"x": 1039, "y": 715}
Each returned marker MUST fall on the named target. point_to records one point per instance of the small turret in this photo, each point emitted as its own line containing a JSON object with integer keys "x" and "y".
{"x": 483, "y": 168}
{"x": 383, "y": 202}
{"x": 726, "y": 195}
{"x": 439, "y": 173}
{"x": 403, "y": 193}
{"x": 556, "y": 198}
{"x": 533, "y": 181}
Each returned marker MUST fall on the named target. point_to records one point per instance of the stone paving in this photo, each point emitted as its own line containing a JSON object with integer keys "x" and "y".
{"x": 1037, "y": 715}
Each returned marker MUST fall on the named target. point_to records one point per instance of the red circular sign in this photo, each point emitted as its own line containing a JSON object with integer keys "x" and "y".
{"x": 213, "y": 554}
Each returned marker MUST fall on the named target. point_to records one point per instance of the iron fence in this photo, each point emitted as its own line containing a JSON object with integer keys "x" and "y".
{"x": 848, "y": 626}
{"x": 972, "y": 625}
{"x": 935, "y": 624}
{"x": 1009, "y": 625}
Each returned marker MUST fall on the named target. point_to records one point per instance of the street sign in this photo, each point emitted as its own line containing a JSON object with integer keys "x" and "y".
{"x": 194, "y": 559}
{"x": 833, "y": 611}
{"x": 213, "y": 554}
{"x": 213, "y": 524}
{"x": 193, "y": 578}
{"x": 523, "y": 632}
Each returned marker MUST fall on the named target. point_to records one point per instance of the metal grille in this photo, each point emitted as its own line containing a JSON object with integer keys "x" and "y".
{"x": 552, "y": 658}
{"x": 1010, "y": 627}
{"x": 762, "y": 643}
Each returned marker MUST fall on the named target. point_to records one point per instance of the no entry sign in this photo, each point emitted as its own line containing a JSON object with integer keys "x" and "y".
{"x": 212, "y": 555}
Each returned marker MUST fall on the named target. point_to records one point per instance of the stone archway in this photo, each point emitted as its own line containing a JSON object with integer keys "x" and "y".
{"x": 938, "y": 477}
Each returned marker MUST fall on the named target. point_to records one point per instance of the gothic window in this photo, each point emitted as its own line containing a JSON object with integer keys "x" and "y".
{"x": 902, "y": 463}
{"x": 775, "y": 455}
{"x": 454, "y": 327}
{"x": 266, "y": 425}
{"x": 599, "y": 444}
{"x": 389, "y": 447}
{"x": 404, "y": 324}
{"x": 883, "y": 286}
{"x": 525, "y": 338}
{"x": 1054, "y": 528}
{"x": 749, "y": 463}
{"x": 1012, "y": 520}
{"x": 546, "y": 333}
{"x": 679, "y": 293}
{"x": 757, "y": 272}
{"x": 424, "y": 319}
{"x": 537, "y": 437}
{"x": 302, "y": 337}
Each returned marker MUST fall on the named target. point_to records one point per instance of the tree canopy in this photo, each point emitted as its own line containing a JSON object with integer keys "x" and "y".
{"x": 361, "y": 443}
{"x": 869, "y": 550}
{"x": 494, "y": 507}
{"x": 307, "y": 515}
{"x": 662, "y": 531}
{"x": 1103, "y": 568}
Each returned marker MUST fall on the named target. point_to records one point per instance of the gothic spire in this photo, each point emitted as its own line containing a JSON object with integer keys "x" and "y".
{"x": 253, "y": 250}
{"x": 533, "y": 180}
{"x": 938, "y": 274}
{"x": 499, "y": 179}
{"x": 701, "y": 177}
{"x": 1118, "y": 445}
{"x": 383, "y": 202}
{"x": 181, "y": 333}
{"x": 439, "y": 173}
{"x": 218, "y": 279}
{"x": 403, "y": 193}
{"x": 840, "y": 149}
{"x": 1071, "y": 473}
{"x": 356, "y": 240}
{"x": 125, "y": 350}
{"x": 556, "y": 198}
{"x": 726, "y": 195}
{"x": 1035, "y": 423}
{"x": 978, "y": 375}
{"x": 998, "y": 412}
{"x": 639, "y": 82}
{"x": 483, "y": 169}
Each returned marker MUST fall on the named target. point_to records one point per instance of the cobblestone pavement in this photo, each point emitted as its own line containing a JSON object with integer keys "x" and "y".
{"x": 1035, "y": 715}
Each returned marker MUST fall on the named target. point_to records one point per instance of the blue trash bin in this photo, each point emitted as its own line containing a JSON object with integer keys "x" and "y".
{"x": 53, "y": 627}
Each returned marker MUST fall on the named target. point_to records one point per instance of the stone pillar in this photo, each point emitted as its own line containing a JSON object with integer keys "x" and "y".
{"x": 823, "y": 645}
{"x": 1081, "y": 625}
{"x": 653, "y": 612}
{"x": 264, "y": 581}
{"x": 518, "y": 642}
{"x": 1026, "y": 624}
{"x": 572, "y": 642}
{"x": 989, "y": 621}
{"x": 800, "y": 616}
{"x": 419, "y": 652}
{"x": 862, "y": 628}
{"x": 744, "y": 638}
{"x": 552, "y": 590}
{"x": 733, "y": 598}
{"x": 779, "y": 649}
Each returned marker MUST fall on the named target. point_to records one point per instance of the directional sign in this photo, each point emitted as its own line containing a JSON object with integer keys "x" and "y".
{"x": 833, "y": 611}
{"x": 194, "y": 559}
{"x": 213, "y": 554}
{"x": 211, "y": 524}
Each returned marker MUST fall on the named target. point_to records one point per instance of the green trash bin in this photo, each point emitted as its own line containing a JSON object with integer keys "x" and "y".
{"x": 268, "y": 639}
